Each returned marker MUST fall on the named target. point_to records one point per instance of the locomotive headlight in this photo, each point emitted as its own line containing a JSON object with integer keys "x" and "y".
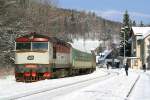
{"x": 31, "y": 57}
{"x": 30, "y": 66}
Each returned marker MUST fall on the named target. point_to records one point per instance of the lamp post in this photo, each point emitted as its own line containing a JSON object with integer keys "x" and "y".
{"x": 124, "y": 55}
{"x": 123, "y": 45}
{"x": 124, "y": 31}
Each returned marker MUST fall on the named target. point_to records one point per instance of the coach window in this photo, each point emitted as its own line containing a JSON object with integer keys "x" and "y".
{"x": 23, "y": 46}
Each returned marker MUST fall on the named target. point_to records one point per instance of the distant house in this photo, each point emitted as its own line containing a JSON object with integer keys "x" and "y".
{"x": 140, "y": 47}
{"x": 106, "y": 57}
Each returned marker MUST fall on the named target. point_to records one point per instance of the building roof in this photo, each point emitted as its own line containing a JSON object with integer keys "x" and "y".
{"x": 143, "y": 31}
{"x": 146, "y": 34}
{"x": 104, "y": 54}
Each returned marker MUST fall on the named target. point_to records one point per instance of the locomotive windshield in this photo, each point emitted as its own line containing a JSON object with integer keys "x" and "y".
{"x": 23, "y": 46}
{"x": 39, "y": 46}
{"x": 33, "y": 45}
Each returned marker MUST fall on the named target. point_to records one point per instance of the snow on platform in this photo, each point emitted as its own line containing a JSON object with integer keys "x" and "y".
{"x": 116, "y": 88}
{"x": 142, "y": 88}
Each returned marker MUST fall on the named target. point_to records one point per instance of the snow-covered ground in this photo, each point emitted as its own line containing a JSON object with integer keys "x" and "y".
{"x": 85, "y": 45}
{"x": 11, "y": 89}
{"x": 103, "y": 84}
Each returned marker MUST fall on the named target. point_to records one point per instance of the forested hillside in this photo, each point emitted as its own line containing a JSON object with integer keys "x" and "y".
{"x": 19, "y": 17}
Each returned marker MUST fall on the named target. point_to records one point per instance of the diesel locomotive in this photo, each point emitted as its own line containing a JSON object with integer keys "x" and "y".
{"x": 39, "y": 57}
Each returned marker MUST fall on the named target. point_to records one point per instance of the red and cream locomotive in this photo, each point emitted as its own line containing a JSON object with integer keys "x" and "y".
{"x": 39, "y": 57}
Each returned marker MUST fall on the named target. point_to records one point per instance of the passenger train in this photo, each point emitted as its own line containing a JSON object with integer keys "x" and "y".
{"x": 39, "y": 57}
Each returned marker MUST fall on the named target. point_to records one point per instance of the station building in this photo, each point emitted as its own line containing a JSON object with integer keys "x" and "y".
{"x": 140, "y": 47}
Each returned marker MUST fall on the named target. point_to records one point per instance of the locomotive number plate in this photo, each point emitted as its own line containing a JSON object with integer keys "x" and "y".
{"x": 30, "y": 57}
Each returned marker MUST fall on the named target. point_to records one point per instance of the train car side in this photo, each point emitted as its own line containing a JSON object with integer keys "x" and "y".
{"x": 82, "y": 62}
{"x": 61, "y": 59}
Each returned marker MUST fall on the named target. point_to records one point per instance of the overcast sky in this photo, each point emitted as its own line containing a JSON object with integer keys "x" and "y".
{"x": 112, "y": 9}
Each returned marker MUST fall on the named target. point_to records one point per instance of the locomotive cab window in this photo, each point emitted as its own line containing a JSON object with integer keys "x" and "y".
{"x": 40, "y": 46}
{"x": 23, "y": 46}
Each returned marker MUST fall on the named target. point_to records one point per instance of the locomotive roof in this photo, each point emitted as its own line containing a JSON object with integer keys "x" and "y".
{"x": 34, "y": 37}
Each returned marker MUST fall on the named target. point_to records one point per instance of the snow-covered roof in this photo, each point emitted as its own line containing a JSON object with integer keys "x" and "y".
{"x": 146, "y": 34}
{"x": 105, "y": 53}
{"x": 143, "y": 31}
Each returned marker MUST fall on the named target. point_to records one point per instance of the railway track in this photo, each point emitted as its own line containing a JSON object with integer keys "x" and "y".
{"x": 132, "y": 88}
{"x": 141, "y": 91}
{"x": 83, "y": 82}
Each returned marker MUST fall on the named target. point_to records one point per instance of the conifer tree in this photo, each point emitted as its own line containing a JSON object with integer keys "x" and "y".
{"x": 141, "y": 24}
{"x": 126, "y": 19}
{"x": 134, "y": 23}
